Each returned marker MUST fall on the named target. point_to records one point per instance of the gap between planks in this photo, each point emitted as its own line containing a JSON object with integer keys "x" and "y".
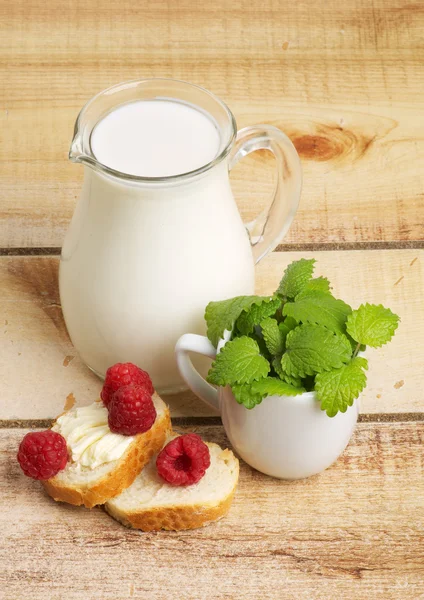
{"x": 216, "y": 421}
{"x": 306, "y": 247}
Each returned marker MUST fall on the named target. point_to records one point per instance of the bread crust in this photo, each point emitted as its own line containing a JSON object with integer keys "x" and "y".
{"x": 175, "y": 518}
{"x": 122, "y": 476}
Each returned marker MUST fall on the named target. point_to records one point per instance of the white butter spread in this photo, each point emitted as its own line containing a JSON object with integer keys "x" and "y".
{"x": 90, "y": 441}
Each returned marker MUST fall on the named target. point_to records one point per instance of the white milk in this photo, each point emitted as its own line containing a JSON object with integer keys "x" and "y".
{"x": 155, "y": 138}
{"x": 140, "y": 262}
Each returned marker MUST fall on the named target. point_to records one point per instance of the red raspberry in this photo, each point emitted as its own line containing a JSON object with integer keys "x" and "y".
{"x": 131, "y": 410}
{"x": 184, "y": 460}
{"x": 42, "y": 454}
{"x": 124, "y": 374}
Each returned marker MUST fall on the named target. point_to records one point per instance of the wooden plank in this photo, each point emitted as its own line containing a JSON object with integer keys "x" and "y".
{"x": 355, "y": 531}
{"x": 41, "y": 372}
{"x": 343, "y": 79}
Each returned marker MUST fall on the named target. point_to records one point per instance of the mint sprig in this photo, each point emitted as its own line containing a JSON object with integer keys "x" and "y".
{"x": 320, "y": 284}
{"x": 257, "y": 312}
{"x": 301, "y": 338}
{"x": 221, "y": 316}
{"x": 278, "y": 368}
{"x": 313, "y": 349}
{"x": 244, "y": 394}
{"x": 274, "y": 336}
{"x": 372, "y": 325}
{"x": 315, "y": 306}
{"x": 252, "y": 394}
{"x": 296, "y": 277}
{"x": 338, "y": 389}
{"x": 238, "y": 362}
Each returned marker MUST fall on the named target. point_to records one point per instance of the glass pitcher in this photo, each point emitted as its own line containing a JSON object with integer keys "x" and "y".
{"x": 143, "y": 256}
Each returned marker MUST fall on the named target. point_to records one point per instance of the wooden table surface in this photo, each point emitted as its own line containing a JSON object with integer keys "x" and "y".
{"x": 345, "y": 80}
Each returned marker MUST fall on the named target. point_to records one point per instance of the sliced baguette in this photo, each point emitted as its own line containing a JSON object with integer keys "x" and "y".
{"x": 151, "y": 504}
{"x": 91, "y": 487}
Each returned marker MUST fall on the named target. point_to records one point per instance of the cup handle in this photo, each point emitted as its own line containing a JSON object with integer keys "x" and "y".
{"x": 271, "y": 225}
{"x": 200, "y": 344}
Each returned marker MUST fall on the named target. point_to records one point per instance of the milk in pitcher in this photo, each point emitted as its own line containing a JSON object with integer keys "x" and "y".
{"x": 156, "y": 138}
{"x": 141, "y": 261}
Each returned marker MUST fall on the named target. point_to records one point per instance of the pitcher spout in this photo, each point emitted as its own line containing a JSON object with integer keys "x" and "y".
{"x": 80, "y": 150}
{"x": 75, "y": 151}
{"x": 78, "y": 154}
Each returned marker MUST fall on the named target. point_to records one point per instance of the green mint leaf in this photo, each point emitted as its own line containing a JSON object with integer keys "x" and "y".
{"x": 252, "y": 394}
{"x": 271, "y": 386}
{"x": 244, "y": 395}
{"x": 278, "y": 368}
{"x": 276, "y": 361}
{"x": 284, "y": 330}
{"x": 276, "y": 365}
{"x": 294, "y": 381}
{"x": 290, "y": 323}
{"x": 274, "y": 336}
{"x": 372, "y": 325}
{"x": 238, "y": 362}
{"x": 313, "y": 349}
{"x": 257, "y": 312}
{"x": 261, "y": 343}
{"x": 222, "y": 315}
{"x": 320, "y": 308}
{"x": 338, "y": 389}
{"x": 295, "y": 277}
{"x": 320, "y": 284}
{"x": 361, "y": 362}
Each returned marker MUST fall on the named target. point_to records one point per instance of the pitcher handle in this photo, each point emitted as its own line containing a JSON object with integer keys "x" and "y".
{"x": 271, "y": 225}
{"x": 191, "y": 342}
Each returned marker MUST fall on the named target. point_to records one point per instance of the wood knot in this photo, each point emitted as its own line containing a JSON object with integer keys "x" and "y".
{"x": 325, "y": 142}
{"x": 317, "y": 147}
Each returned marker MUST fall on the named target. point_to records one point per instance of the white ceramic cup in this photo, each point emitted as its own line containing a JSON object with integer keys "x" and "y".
{"x": 288, "y": 437}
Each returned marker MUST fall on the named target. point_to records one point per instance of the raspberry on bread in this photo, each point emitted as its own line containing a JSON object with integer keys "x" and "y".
{"x": 131, "y": 410}
{"x": 123, "y": 374}
{"x": 80, "y": 484}
{"x": 184, "y": 460}
{"x": 151, "y": 504}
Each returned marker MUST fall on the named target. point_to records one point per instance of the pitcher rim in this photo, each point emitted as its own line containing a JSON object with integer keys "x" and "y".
{"x": 91, "y": 160}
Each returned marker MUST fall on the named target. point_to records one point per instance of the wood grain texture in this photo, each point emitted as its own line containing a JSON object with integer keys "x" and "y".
{"x": 41, "y": 372}
{"x": 343, "y": 79}
{"x": 355, "y": 531}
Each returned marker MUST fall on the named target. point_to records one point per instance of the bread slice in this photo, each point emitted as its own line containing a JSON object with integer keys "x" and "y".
{"x": 151, "y": 504}
{"x": 77, "y": 484}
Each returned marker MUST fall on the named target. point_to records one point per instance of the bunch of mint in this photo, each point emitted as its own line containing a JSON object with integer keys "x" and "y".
{"x": 300, "y": 339}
